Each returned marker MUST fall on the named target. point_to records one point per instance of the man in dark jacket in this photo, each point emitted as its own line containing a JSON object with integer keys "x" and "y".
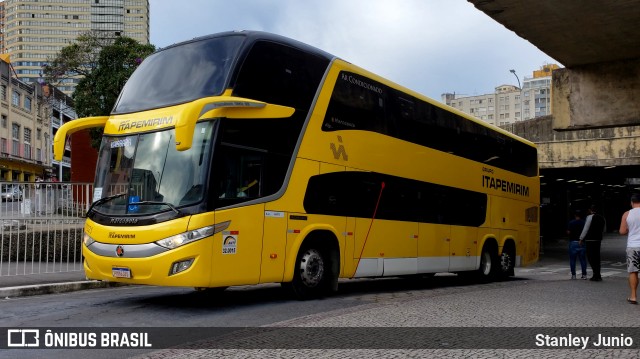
{"x": 591, "y": 235}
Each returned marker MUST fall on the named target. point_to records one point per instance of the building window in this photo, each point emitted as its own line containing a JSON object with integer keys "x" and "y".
{"x": 39, "y": 154}
{"x": 4, "y": 145}
{"x": 4, "y": 121}
{"x": 38, "y": 134}
{"x": 15, "y": 132}
{"x": 27, "y": 103}
{"x": 27, "y": 143}
{"x": 27, "y": 151}
{"x": 3, "y": 92}
{"x": 15, "y": 99}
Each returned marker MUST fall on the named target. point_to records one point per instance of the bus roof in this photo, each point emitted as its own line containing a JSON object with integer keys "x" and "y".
{"x": 253, "y": 36}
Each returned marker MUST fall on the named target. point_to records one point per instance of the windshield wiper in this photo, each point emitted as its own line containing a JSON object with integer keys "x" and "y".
{"x": 173, "y": 208}
{"x": 105, "y": 199}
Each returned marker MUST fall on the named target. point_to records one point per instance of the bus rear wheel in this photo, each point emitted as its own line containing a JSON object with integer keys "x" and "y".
{"x": 507, "y": 262}
{"x": 311, "y": 276}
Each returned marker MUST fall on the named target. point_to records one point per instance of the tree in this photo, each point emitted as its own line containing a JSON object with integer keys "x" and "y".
{"x": 104, "y": 64}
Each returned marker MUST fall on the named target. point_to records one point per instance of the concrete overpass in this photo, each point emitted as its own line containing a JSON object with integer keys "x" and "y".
{"x": 588, "y": 148}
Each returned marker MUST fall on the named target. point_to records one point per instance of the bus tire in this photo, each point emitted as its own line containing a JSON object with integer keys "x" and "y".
{"x": 507, "y": 261}
{"x": 311, "y": 276}
{"x": 488, "y": 264}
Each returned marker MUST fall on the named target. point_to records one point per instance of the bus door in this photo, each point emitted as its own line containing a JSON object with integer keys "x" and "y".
{"x": 388, "y": 248}
{"x": 237, "y": 252}
{"x": 463, "y": 248}
{"x": 386, "y": 237}
{"x": 274, "y": 245}
{"x": 433, "y": 247}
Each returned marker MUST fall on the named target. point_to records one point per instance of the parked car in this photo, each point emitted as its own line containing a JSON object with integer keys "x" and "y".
{"x": 11, "y": 193}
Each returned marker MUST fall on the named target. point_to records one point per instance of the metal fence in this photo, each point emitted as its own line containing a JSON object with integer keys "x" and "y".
{"x": 41, "y": 226}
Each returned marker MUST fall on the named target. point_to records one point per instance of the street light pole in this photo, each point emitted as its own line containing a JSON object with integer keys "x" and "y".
{"x": 520, "y": 87}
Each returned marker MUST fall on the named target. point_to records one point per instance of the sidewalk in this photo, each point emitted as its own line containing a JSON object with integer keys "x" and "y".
{"x": 12, "y": 286}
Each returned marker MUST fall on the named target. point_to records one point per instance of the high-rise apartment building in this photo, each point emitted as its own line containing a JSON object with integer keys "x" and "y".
{"x": 536, "y": 92}
{"x": 36, "y": 30}
{"x": 498, "y": 108}
{"x": 509, "y": 104}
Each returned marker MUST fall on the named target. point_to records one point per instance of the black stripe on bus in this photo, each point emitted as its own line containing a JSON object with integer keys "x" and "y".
{"x": 355, "y": 194}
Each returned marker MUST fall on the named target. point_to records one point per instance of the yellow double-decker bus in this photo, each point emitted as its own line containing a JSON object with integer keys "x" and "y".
{"x": 245, "y": 157}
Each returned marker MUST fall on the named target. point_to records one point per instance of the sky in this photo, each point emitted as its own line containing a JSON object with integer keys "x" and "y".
{"x": 429, "y": 46}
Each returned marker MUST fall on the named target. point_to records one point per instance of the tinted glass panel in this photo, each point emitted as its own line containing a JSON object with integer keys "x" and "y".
{"x": 355, "y": 194}
{"x": 280, "y": 75}
{"x": 359, "y": 103}
{"x": 180, "y": 74}
{"x": 252, "y": 157}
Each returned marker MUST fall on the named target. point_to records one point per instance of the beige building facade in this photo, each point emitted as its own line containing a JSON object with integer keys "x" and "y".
{"x": 36, "y": 30}
{"x": 498, "y": 108}
{"x": 25, "y": 129}
{"x": 509, "y": 104}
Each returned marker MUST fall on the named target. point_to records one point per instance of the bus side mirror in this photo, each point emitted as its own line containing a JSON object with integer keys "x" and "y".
{"x": 223, "y": 106}
{"x": 72, "y": 127}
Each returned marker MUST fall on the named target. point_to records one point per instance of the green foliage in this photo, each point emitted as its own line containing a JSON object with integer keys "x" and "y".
{"x": 106, "y": 64}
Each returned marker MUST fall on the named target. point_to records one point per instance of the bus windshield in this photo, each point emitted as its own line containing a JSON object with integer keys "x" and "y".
{"x": 145, "y": 174}
{"x": 180, "y": 74}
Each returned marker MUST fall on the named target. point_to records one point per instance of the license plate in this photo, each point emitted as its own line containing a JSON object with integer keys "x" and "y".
{"x": 121, "y": 272}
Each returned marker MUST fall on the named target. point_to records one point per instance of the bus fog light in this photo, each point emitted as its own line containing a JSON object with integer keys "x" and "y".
{"x": 180, "y": 266}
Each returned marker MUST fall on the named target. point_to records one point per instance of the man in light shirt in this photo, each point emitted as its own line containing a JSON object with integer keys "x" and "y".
{"x": 630, "y": 225}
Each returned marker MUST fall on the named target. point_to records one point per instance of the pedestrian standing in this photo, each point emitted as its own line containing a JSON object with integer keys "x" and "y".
{"x": 576, "y": 248}
{"x": 630, "y": 225}
{"x": 591, "y": 236}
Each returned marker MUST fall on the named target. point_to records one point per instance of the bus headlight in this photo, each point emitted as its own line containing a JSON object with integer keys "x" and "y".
{"x": 87, "y": 240}
{"x": 187, "y": 237}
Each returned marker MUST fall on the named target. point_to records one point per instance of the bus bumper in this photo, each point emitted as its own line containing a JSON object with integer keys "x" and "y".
{"x": 155, "y": 270}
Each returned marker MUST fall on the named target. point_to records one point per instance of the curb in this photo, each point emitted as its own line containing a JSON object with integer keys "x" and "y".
{"x": 53, "y": 288}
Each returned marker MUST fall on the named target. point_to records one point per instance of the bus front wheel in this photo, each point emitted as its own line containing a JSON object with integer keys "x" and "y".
{"x": 488, "y": 264}
{"x": 311, "y": 277}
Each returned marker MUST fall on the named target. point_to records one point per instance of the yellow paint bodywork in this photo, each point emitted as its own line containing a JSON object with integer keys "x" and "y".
{"x": 269, "y": 235}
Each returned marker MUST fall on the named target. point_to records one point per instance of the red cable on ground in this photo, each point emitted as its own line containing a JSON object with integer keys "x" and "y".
{"x": 375, "y": 210}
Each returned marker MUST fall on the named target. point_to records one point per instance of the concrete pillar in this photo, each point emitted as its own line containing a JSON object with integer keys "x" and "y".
{"x": 596, "y": 96}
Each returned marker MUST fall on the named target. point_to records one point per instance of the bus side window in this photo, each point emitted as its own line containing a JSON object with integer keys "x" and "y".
{"x": 244, "y": 174}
